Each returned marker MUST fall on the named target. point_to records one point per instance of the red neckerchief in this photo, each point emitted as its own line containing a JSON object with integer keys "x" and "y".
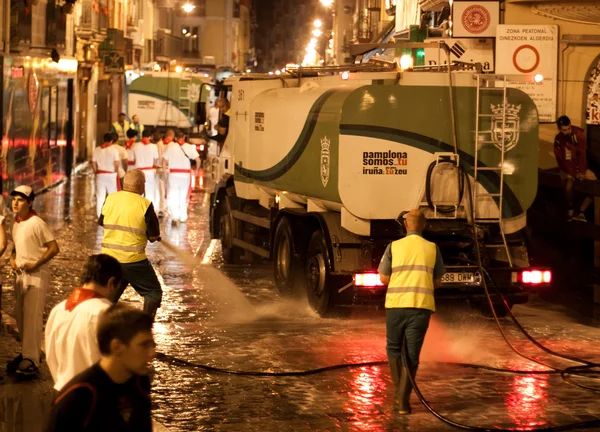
{"x": 29, "y": 215}
{"x": 130, "y": 143}
{"x": 167, "y": 140}
{"x": 106, "y": 145}
{"x": 181, "y": 141}
{"x": 145, "y": 141}
{"x": 80, "y": 295}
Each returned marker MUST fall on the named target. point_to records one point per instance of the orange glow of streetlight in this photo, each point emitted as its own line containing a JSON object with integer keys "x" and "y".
{"x": 188, "y": 7}
{"x": 327, "y": 3}
{"x": 318, "y": 23}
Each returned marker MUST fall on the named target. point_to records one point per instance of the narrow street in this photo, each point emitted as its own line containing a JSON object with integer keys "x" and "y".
{"x": 230, "y": 317}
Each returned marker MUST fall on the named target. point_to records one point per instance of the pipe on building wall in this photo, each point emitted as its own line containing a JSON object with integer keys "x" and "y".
{"x": 6, "y": 25}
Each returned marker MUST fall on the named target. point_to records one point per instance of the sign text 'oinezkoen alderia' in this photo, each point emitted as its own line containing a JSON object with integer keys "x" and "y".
{"x": 385, "y": 163}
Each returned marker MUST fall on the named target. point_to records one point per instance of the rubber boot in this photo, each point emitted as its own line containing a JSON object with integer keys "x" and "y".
{"x": 404, "y": 389}
{"x": 150, "y": 307}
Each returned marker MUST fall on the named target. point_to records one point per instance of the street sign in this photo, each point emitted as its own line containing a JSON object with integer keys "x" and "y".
{"x": 114, "y": 63}
{"x": 475, "y": 19}
{"x": 463, "y": 50}
{"x": 531, "y": 50}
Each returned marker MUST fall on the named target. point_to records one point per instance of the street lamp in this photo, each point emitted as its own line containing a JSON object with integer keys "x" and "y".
{"x": 318, "y": 23}
{"x": 327, "y": 3}
{"x": 188, "y": 7}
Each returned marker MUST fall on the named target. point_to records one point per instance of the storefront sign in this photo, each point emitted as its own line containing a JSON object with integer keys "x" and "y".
{"x": 475, "y": 18}
{"x": 592, "y": 115}
{"x": 463, "y": 50}
{"x": 531, "y": 50}
{"x": 114, "y": 63}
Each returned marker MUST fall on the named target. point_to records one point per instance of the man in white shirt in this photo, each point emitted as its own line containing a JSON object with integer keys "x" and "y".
{"x": 34, "y": 247}
{"x": 106, "y": 163}
{"x": 157, "y": 138}
{"x": 176, "y": 161}
{"x": 146, "y": 160}
{"x": 122, "y": 156}
{"x": 71, "y": 345}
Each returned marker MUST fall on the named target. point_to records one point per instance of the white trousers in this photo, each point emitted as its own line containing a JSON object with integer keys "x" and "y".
{"x": 105, "y": 184}
{"x": 30, "y": 293}
{"x": 162, "y": 192}
{"x": 151, "y": 192}
{"x": 177, "y": 195}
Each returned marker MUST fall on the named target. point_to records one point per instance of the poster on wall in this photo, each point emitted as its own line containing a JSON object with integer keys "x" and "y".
{"x": 592, "y": 115}
{"x": 531, "y": 50}
{"x": 477, "y": 19}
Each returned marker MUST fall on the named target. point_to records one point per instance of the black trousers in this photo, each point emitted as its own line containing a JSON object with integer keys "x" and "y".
{"x": 141, "y": 276}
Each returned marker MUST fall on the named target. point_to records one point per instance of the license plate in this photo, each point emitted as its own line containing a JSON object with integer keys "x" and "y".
{"x": 463, "y": 277}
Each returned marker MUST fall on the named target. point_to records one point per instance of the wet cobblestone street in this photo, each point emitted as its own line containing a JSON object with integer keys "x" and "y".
{"x": 230, "y": 317}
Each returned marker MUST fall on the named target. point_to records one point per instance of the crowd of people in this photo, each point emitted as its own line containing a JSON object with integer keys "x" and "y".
{"x": 165, "y": 160}
{"x": 98, "y": 351}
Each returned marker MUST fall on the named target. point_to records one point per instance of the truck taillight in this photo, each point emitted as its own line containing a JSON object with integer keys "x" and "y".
{"x": 536, "y": 277}
{"x": 367, "y": 280}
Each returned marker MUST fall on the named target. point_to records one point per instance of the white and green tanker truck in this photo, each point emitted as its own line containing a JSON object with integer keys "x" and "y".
{"x": 318, "y": 165}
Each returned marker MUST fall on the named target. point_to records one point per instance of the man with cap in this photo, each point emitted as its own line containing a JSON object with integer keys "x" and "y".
{"x": 129, "y": 221}
{"x": 411, "y": 267}
{"x": 34, "y": 247}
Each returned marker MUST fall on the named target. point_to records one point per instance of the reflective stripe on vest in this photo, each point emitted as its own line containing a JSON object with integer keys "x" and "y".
{"x": 125, "y": 226}
{"x": 411, "y": 281}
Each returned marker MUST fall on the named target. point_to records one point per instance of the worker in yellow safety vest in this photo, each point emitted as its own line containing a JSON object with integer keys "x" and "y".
{"x": 121, "y": 127}
{"x": 411, "y": 267}
{"x": 137, "y": 126}
{"x": 129, "y": 221}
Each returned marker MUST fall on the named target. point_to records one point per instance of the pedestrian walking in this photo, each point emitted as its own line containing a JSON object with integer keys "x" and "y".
{"x": 123, "y": 157}
{"x": 113, "y": 394}
{"x": 131, "y": 140}
{"x": 129, "y": 222}
{"x": 176, "y": 160}
{"x": 157, "y": 138}
{"x": 145, "y": 154}
{"x": 137, "y": 126}
{"x": 106, "y": 161}
{"x": 34, "y": 247}
{"x": 120, "y": 127}
{"x": 412, "y": 267}
{"x": 570, "y": 150}
{"x": 70, "y": 341}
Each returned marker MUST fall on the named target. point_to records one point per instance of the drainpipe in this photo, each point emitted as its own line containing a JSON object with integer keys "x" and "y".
{"x": 6, "y": 26}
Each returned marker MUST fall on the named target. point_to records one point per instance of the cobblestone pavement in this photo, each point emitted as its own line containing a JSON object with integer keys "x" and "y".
{"x": 230, "y": 317}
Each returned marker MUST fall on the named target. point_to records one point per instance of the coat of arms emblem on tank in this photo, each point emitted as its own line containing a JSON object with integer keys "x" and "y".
{"x": 507, "y": 134}
{"x": 325, "y": 160}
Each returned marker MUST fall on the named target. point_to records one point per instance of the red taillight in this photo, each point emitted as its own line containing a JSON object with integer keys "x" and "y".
{"x": 367, "y": 280}
{"x": 536, "y": 277}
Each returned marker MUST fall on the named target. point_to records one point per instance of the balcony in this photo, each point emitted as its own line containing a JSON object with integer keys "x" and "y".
{"x": 167, "y": 46}
{"x": 93, "y": 21}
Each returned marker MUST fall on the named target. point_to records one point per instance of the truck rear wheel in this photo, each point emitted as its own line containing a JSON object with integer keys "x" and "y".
{"x": 231, "y": 254}
{"x": 288, "y": 263}
{"x": 318, "y": 274}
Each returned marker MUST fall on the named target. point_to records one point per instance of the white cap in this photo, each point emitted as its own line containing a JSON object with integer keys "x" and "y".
{"x": 24, "y": 191}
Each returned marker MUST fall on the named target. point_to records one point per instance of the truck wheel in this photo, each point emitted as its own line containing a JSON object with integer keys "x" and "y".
{"x": 231, "y": 253}
{"x": 287, "y": 263}
{"x": 318, "y": 275}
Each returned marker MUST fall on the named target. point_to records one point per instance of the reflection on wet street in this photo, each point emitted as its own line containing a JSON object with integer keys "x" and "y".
{"x": 230, "y": 317}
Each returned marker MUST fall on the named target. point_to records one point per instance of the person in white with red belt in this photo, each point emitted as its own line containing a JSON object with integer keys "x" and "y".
{"x": 106, "y": 162}
{"x": 176, "y": 161}
{"x": 122, "y": 157}
{"x": 34, "y": 247}
{"x": 71, "y": 344}
{"x": 146, "y": 160}
{"x": 131, "y": 140}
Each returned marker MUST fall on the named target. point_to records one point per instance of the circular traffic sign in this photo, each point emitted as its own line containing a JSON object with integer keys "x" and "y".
{"x": 524, "y": 57}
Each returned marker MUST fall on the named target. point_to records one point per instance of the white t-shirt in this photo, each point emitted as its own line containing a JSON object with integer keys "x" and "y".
{"x": 145, "y": 154}
{"x": 29, "y": 237}
{"x": 122, "y": 156}
{"x": 71, "y": 344}
{"x": 213, "y": 115}
{"x": 178, "y": 156}
{"x": 105, "y": 158}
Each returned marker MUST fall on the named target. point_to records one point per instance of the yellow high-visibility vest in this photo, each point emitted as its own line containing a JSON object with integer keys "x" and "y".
{"x": 121, "y": 131}
{"x": 125, "y": 236}
{"x": 411, "y": 282}
{"x": 140, "y": 130}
